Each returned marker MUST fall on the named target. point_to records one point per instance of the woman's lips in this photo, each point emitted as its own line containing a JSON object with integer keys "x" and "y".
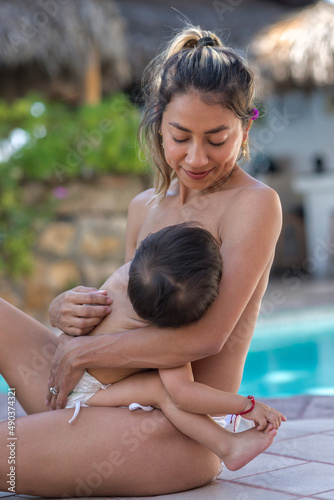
{"x": 197, "y": 176}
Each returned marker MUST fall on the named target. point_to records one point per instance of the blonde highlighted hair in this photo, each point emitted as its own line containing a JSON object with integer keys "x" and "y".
{"x": 187, "y": 64}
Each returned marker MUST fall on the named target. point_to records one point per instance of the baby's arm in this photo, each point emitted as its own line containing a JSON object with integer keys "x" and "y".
{"x": 194, "y": 397}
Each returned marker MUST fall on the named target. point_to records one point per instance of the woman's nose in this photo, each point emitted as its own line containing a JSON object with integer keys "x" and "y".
{"x": 196, "y": 156}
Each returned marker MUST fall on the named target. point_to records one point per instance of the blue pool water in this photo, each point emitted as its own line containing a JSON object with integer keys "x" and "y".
{"x": 3, "y": 385}
{"x": 292, "y": 354}
{"x": 289, "y": 355}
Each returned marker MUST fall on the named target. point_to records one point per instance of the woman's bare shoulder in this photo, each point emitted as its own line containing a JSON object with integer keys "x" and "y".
{"x": 137, "y": 213}
{"x": 142, "y": 198}
{"x": 253, "y": 204}
{"x": 257, "y": 193}
{"x": 263, "y": 197}
{"x": 140, "y": 207}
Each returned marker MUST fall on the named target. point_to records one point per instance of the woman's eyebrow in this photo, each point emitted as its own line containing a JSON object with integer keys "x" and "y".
{"x": 212, "y": 131}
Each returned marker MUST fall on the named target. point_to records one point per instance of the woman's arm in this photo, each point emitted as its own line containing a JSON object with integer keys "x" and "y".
{"x": 249, "y": 241}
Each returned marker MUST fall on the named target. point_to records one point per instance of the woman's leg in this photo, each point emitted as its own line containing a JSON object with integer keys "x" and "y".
{"x": 27, "y": 348}
{"x": 108, "y": 452}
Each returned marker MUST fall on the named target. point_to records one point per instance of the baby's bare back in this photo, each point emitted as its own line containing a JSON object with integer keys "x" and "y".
{"x": 121, "y": 319}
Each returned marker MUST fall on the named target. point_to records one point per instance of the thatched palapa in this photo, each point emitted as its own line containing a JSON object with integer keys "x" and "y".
{"x": 298, "y": 51}
{"x": 62, "y": 44}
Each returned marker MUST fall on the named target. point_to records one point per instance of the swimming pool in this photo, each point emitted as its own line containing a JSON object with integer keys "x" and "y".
{"x": 290, "y": 354}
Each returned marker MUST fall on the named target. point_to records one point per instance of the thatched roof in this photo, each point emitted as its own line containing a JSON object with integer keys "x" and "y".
{"x": 57, "y": 36}
{"x": 298, "y": 51}
{"x": 151, "y": 22}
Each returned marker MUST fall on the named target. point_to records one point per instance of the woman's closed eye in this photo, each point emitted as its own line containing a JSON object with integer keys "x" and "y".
{"x": 179, "y": 140}
{"x": 217, "y": 144}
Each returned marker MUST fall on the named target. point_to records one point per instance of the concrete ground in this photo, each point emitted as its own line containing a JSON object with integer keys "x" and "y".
{"x": 300, "y": 462}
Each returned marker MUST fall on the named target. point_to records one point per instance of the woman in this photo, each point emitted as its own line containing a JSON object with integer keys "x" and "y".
{"x": 199, "y": 106}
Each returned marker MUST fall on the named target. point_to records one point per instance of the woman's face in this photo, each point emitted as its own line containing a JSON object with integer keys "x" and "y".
{"x": 201, "y": 141}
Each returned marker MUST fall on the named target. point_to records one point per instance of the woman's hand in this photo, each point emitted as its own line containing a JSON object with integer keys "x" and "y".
{"x": 63, "y": 375}
{"x": 262, "y": 415}
{"x": 79, "y": 310}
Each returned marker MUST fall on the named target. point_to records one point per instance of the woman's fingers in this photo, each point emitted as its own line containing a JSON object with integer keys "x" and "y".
{"x": 80, "y": 326}
{"x": 48, "y": 397}
{"x": 92, "y": 311}
{"x": 52, "y": 393}
{"x": 87, "y": 296}
{"x": 63, "y": 376}
{"x": 65, "y": 382}
{"x": 90, "y": 305}
{"x": 77, "y": 311}
{"x": 53, "y": 402}
{"x": 57, "y": 399}
{"x": 63, "y": 339}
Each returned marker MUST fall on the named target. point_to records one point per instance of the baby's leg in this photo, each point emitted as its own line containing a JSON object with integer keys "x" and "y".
{"x": 236, "y": 450}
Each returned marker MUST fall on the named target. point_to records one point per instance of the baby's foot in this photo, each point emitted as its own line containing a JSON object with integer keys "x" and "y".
{"x": 247, "y": 445}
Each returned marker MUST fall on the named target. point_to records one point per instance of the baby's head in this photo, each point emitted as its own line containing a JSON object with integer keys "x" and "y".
{"x": 175, "y": 274}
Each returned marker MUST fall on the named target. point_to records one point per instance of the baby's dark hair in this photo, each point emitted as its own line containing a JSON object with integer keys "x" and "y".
{"x": 175, "y": 274}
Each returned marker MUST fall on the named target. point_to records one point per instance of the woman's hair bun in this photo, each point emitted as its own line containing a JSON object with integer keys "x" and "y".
{"x": 201, "y": 39}
{"x": 205, "y": 41}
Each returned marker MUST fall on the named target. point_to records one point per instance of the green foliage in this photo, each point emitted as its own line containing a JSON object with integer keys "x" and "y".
{"x": 16, "y": 234}
{"x": 67, "y": 142}
{"x": 58, "y": 143}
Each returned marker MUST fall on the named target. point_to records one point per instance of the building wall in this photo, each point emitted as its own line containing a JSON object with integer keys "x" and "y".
{"x": 82, "y": 245}
{"x": 297, "y": 135}
{"x": 298, "y": 128}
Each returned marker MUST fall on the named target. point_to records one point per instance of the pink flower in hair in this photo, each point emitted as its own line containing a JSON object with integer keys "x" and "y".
{"x": 255, "y": 114}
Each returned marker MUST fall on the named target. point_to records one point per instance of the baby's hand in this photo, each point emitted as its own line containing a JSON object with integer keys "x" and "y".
{"x": 262, "y": 415}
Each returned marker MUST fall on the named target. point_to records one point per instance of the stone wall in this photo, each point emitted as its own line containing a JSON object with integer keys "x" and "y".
{"x": 82, "y": 245}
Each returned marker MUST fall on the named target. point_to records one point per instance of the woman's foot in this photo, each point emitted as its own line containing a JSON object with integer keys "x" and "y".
{"x": 247, "y": 445}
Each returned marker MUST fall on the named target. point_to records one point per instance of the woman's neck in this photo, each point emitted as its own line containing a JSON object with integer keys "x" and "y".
{"x": 185, "y": 194}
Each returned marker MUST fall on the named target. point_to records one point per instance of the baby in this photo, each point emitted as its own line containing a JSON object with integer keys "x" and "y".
{"x": 172, "y": 280}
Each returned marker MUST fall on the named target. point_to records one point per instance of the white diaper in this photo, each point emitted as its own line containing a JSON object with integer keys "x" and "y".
{"x": 82, "y": 392}
{"x": 137, "y": 406}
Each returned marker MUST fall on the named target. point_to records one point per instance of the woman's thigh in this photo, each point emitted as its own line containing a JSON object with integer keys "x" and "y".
{"x": 105, "y": 452}
{"x": 27, "y": 348}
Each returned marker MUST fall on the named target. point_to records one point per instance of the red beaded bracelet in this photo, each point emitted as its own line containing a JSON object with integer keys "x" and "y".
{"x": 243, "y": 412}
